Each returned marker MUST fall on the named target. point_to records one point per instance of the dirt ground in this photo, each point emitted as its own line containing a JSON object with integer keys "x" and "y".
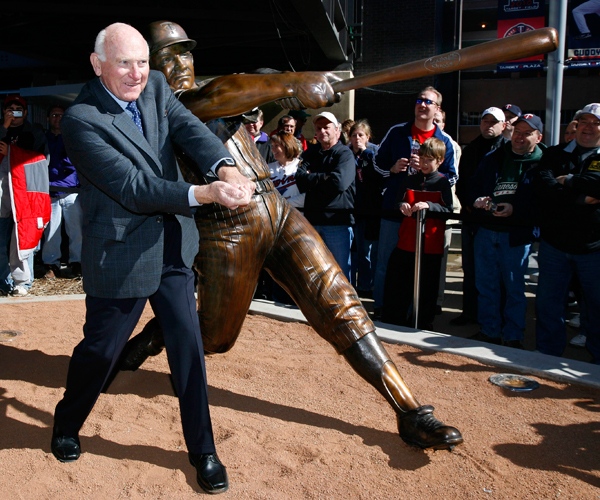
{"x": 292, "y": 421}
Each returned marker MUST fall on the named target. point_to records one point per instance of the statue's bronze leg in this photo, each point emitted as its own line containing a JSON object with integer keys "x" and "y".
{"x": 416, "y": 424}
{"x": 371, "y": 361}
{"x": 301, "y": 263}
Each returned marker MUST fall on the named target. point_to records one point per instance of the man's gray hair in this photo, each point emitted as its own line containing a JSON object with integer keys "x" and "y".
{"x": 99, "y": 45}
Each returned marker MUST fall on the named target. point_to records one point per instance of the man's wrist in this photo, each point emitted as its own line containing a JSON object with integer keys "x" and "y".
{"x": 225, "y": 162}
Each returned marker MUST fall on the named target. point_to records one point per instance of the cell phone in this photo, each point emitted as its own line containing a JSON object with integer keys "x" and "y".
{"x": 18, "y": 114}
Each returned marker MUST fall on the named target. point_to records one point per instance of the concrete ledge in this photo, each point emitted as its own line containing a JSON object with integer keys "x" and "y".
{"x": 514, "y": 360}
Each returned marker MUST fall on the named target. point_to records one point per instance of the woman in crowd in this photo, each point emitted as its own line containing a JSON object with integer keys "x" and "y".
{"x": 367, "y": 208}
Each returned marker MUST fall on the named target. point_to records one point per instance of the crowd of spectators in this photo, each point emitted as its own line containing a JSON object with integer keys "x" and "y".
{"x": 38, "y": 193}
{"x": 509, "y": 190}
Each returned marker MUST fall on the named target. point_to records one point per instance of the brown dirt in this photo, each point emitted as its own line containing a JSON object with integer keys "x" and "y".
{"x": 292, "y": 421}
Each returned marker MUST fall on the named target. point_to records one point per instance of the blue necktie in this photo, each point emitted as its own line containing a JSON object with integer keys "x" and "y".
{"x": 136, "y": 117}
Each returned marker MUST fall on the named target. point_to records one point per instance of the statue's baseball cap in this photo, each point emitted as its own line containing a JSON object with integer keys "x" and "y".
{"x": 497, "y": 113}
{"x": 328, "y": 116}
{"x": 14, "y": 98}
{"x": 592, "y": 109}
{"x": 532, "y": 120}
{"x": 512, "y": 108}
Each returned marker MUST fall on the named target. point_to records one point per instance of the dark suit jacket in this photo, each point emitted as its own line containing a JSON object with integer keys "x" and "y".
{"x": 130, "y": 181}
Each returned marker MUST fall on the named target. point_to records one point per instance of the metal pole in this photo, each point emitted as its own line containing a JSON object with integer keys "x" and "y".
{"x": 554, "y": 79}
{"x": 418, "y": 250}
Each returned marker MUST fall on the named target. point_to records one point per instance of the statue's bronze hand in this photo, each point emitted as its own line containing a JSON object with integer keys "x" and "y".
{"x": 312, "y": 89}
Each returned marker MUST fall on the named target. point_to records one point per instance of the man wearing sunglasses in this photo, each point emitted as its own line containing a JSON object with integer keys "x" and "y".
{"x": 397, "y": 157}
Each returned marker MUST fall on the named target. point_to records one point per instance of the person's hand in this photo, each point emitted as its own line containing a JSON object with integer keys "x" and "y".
{"x": 311, "y": 89}
{"x": 8, "y": 117}
{"x": 590, "y": 200}
{"x": 414, "y": 162}
{"x": 400, "y": 166}
{"x": 503, "y": 210}
{"x": 231, "y": 175}
{"x": 561, "y": 179}
{"x": 405, "y": 209}
{"x": 420, "y": 205}
{"x": 483, "y": 202}
{"x": 223, "y": 193}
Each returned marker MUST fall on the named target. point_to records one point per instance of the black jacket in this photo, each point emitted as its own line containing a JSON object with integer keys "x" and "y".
{"x": 328, "y": 179}
{"x": 566, "y": 221}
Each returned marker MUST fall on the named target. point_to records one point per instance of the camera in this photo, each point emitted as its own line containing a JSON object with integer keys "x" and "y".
{"x": 18, "y": 114}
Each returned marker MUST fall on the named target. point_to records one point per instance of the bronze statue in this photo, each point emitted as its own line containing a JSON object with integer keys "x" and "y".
{"x": 235, "y": 245}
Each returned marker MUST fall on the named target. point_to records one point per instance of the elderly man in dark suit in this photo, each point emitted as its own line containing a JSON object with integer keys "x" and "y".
{"x": 139, "y": 235}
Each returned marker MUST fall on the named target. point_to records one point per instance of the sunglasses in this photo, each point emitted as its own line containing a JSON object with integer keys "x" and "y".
{"x": 428, "y": 102}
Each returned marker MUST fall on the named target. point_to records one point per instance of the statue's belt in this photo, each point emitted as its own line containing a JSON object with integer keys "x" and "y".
{"x": 264, "y": 186}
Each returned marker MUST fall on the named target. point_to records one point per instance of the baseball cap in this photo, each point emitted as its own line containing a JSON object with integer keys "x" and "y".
{"x": 512, "y": 108}
{"x": 14, "y": 98}
{"x": 497, "y": 113}
{"x": 251, "y": 116}
{"x": 532, "y": 120}
{"x": 328, "y": 116}
{"x": 298, "y": 114}
{"x": 592, "y": 109}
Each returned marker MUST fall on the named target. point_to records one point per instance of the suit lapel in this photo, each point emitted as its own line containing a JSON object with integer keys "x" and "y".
{"x": 124, "y": 124}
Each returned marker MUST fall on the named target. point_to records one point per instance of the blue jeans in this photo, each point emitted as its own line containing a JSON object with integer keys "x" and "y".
{"x": 388, "y": 239}
{"x": 21, "y": 272}
{"x": 338, "y": 240}
{"x": 497, "y": 264}
{"x": 469, "y": 289}
{"x": 364, "y": 259}
{"x": 556, "y": 269}
{"x": 65, "y": 208}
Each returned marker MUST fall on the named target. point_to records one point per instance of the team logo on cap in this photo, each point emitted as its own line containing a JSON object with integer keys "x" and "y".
{"x": 528, "y": 116}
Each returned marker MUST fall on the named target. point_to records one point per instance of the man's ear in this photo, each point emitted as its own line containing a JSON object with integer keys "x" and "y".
{"x": 95, "y": 60}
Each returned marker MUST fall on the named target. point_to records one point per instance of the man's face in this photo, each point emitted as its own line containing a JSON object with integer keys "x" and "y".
{"x": 125, "y": 71}
{"x": 289, "y": 126}
{"x": 570, "y": 131}
{"x": 426, "y": 106}
{"x": 254, "y": 127}
{"x": 54, "y": 119}
{"x": 588, "y": 131}
{"x": 11, "y": 108}
{"x": 177, "y": 64}
{"x": 511, "y": 118}
{"x": 326, "y": 133}
{"x": 524, "y": 138}
{"x": 490, "y": 127}
{"x": 438, "y": 119}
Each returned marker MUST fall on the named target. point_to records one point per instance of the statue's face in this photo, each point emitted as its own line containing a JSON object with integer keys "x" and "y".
{"x": 177, "y": 64}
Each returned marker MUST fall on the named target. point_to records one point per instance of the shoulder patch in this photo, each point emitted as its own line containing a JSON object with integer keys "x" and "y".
{"x": 594, "y": 166}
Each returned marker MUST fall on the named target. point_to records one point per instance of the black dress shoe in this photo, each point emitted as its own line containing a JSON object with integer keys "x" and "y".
{"x": 462, "y": 320}
{"x": 65, "y": 448}
{"x": 211, "y": 473}
{"x": 419, "y": 427}
{"x": 482, "y": 337}
{"x": 516, "y": 344}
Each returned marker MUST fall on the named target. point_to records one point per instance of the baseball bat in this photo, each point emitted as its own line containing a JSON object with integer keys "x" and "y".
{"x": 530, "y": 43}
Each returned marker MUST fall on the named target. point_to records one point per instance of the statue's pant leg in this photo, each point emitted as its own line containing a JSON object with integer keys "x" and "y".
{"x": 301, "y": 263}
{"x": 233, "y": 246}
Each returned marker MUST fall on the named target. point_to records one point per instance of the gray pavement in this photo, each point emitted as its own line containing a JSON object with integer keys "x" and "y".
{"x": 505, "y": 358}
